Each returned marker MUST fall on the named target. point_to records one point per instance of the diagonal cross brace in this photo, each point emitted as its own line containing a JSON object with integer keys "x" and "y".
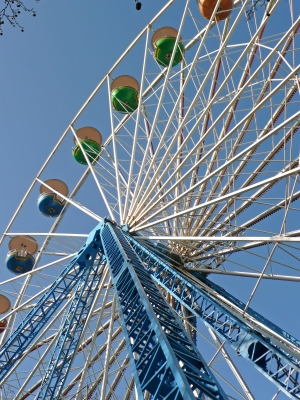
{"x": 275, "y": 355}
{"x": 13, "y": 349}
{"x": 71, "y": 330}
{"x": 164, "y": 359}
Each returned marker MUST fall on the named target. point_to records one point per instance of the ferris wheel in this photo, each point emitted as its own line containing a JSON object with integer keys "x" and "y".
{"x": 167, "y": 221}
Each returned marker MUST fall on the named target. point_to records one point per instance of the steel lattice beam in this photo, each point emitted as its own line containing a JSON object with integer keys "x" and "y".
{"x": 164, "y": 359}
{"x": 20, "y": 340}
{"x": 71, "y": 330}
{"x": 271, "y": 350}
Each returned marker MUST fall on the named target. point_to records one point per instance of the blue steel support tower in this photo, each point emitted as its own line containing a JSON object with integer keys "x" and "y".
{"x": 14, "y": 348}
{"x": 73, "y": 325}
{"x": 165, "y": 361}
{"x": 164, "y": 358}
{"x": 270, "y": 349}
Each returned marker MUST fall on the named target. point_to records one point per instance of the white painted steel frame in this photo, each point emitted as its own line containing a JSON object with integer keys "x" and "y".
{"x": 113, "y": 134}
{"x": 89, "y": 356}
{"x": 220, "y": 116}
{"x": 136, "y": 129}
{"x": 153, "y": 84}
{"x": 93, "y": 173}
{"x": 170, "y": 2}
{"x": 138, "y": 189}
{"x": 242, "y": 163}
{"x": 74, "y": 203}
{"x": 262, "y": 239}
{"x": 218, "y": 170}
{"x": 245, "y": 274}
{"x": 218, "y": 200}
{"x": 205, "y": 238}
{"x": 187, "y": 114}
{"x": 233, "y": 368}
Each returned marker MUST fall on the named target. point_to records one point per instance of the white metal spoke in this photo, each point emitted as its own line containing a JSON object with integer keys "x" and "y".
{"x": 37, "y": 366}
{"x": 205, "y": 172}
{"x": 175, "y": 108}
{"x": 159, "y": 104}
{"x": 140, "y": 106}
{"x": 243, "y": 163}
{"x": 115, "y": 151}
{"x": 80, "y": 386}
{"x": 92, "y": 172}
{"x": 262, "y": 239}
{"x": 236, "y": 193}
{"x": 246, "y": 203}
{"x": 117, "y": 378}
{"x": 221, "y": 86}
{"x": 108, "y": 349}
{"x": 37, "y": 340}
{"x": 229, "y": 361}
{"x": 81, "y": 235}
{"x": 94, "y": 359}
{"x": 240, "y": 154}
{"x": 36, "y": 270}
{"x": 74, "y": 203}
{"x": 246, "y": 274}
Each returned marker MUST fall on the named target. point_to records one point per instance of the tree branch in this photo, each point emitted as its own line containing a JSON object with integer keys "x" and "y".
{"x": 11, "y": 11}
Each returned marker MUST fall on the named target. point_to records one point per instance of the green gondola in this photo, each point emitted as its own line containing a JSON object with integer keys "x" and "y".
{"x": 91, "y": 141}
{"x": 91, "y": 148}
{"x": 163, "y": 43}
{"x": 124, "y": 94}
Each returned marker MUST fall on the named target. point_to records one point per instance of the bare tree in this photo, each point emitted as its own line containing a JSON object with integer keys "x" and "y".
{"x": 11, "y": 11}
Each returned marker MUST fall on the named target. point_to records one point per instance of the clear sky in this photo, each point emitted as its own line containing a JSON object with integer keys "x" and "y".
{"x": 46, "y": 74}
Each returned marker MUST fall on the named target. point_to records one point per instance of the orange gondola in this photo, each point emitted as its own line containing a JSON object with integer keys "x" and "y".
{"x": 3, "y": 325}
{"x": 207, "y": 7}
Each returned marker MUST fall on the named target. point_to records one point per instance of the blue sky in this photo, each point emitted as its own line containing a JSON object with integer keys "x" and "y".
{"x": 47, "y": 73}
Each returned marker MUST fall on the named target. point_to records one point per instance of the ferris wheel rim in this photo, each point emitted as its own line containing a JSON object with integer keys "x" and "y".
{"x": 102, "y": 82}
{"x": 288, "y": 236}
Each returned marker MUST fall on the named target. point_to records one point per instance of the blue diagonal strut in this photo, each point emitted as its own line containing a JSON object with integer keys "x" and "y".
{"x": 71, "y": 330}
{"x": 271, "y": 350}
{"x": 20, "y": 340}
{"x": 164, "y": 359}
